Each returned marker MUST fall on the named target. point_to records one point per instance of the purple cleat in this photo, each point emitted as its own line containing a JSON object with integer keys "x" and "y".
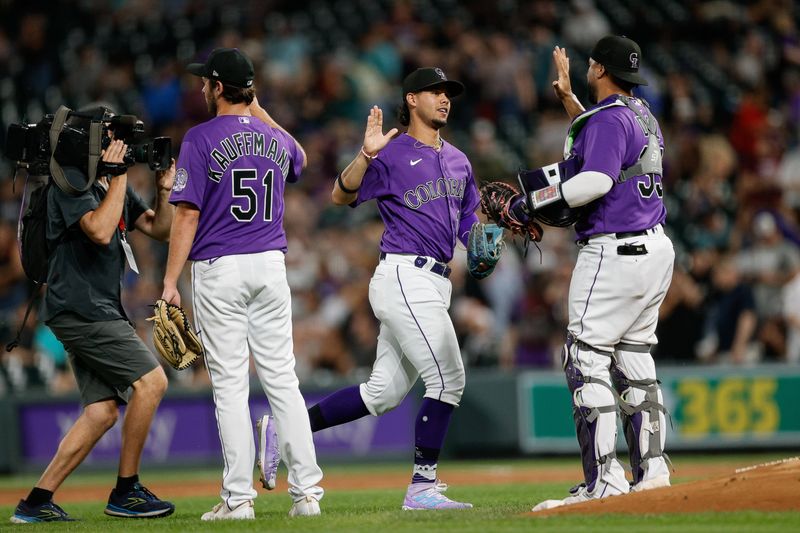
{"x": 269, "y": 454}
{"x": 425, "y": 497}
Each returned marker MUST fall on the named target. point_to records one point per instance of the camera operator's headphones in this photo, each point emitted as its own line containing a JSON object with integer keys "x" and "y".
{"x": 95, "y": 149}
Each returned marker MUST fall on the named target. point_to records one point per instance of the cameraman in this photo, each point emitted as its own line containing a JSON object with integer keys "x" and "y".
{"x": 88, "y": 236}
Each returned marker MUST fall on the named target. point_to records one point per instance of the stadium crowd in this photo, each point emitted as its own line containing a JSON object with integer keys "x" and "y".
{"x": 724, "y": 82}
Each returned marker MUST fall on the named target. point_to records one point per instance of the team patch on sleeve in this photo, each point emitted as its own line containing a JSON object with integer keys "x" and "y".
{"x": 181, "y": 177}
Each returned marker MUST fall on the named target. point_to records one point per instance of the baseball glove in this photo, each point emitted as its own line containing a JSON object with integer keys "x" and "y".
{"x": 484, "y": 247}
{"x": 173, "y": 336}
{"x": 497, "y": 199}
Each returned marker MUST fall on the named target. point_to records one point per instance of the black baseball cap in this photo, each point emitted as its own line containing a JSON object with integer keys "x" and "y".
{"x": 228, "y": 65}
{"x": 620, "y": 56}
{"x": 429, "y": 77}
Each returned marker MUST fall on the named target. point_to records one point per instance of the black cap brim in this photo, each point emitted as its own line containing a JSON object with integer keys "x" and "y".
{"x": 198, "y": 69}
{"x": 452, "y": 88}
{"x": 630, "y": 77}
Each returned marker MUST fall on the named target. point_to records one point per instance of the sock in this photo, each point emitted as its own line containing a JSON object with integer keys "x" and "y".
{"x": 340, "y": 407}
{"x": 38, "y": 497}
{"x": 430, "y": 428}
{"x": 125, "y": 484}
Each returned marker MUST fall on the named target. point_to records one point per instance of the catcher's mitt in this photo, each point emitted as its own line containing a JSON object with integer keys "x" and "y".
{"x": 484, "y": 247}
{"x": 497, "y": 199}
{"x": 173, "y": 336}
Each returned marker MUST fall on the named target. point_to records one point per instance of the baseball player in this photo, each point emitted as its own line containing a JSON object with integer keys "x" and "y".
{"x": 427, "y": 198}
{"x": 229, "y": 221}
{"x": 622, "y": 274}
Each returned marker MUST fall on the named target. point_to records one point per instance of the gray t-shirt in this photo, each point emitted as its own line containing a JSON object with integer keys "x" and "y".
{"x": 83, "y": 277}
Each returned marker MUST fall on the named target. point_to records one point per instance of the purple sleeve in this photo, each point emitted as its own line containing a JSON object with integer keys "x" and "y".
{"x": 191, "y": 176}
{"x": 464, "y": 226}
{"x": 295, "y": 154}
{"x": 607, "y": 139}
{"x": 469, "y": 204}
{"x": 374, "y": 183}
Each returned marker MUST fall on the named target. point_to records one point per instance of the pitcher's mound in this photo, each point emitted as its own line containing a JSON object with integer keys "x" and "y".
{"x": 769, "y": 487}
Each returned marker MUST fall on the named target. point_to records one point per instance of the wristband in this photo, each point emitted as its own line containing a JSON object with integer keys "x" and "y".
{"x": 345, "y": 189}
{"x": 365, "y": 154}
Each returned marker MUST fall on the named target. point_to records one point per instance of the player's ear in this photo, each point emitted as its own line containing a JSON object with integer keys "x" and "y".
{"x": 411, "y": 100}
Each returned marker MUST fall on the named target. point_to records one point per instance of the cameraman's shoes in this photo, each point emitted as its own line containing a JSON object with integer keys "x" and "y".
{"x": 137, "y": 503}
{"x": 269, "y": 454}
{"x": 46, "y": 512}
{"x": 308, "y": 506}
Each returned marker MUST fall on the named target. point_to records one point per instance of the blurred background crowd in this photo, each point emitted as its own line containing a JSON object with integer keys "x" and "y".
{"x": 724, "y": 83}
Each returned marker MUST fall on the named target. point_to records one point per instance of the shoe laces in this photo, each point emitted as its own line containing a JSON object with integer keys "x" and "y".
{"x": 138, "y": 487}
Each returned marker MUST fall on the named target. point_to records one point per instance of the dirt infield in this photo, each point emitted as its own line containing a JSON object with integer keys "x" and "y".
{"x": 769, "y": 487}
{"x": 778, "y": 487}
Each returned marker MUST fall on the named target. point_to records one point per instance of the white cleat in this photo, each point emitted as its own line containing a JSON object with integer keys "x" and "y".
{"x": 308, "y": 506}
{"x": 244, "y": 511}
{"x": 603, "y": 490}
{"x": 654, "y": 483}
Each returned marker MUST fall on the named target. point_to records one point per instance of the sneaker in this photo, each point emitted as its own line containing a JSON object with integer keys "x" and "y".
{"x": 269, "y": 454}
{"x": 243, "y": 511}
{"x": 137, "y": 503}
{"x": 425, "y": 497}
{"x": 46, "y": 512}
{"x": 579, "y": 494}
{"x": 654, "y": 483}
{"x": 308, "y": 506}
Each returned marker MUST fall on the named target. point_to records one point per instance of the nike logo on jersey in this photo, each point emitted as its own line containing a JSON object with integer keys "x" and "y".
{"x": 415, "y": 161}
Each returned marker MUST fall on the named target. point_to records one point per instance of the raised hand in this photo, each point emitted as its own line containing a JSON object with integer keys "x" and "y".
{"x": 374, "y": 138}
{"x": 562, "y": 86}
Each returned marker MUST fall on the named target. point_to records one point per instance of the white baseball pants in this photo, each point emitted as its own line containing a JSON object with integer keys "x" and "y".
{"x": 242, "y": 305}
{"x": 416, "y": 337}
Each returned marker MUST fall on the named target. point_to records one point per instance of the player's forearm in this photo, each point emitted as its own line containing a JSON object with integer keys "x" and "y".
{"x": 585, "y": 187}
{"x": 351, "y": 178}
{"x": 181, "y": 237}
{"x": 261, "y": 114}
{"x": 572, "y": 105}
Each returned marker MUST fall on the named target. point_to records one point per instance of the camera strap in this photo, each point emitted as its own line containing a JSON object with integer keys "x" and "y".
{"x": 95, "y": 136}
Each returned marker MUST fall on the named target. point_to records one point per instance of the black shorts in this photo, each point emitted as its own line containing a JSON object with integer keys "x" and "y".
{"x": 107, "y": 357}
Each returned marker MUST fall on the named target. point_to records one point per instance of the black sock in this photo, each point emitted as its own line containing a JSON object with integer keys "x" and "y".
{"x": 125, "y": 484}
{"x": 38, "y": 497}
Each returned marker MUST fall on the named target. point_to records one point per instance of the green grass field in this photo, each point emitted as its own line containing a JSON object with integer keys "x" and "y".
{"x": 497, "y": 507}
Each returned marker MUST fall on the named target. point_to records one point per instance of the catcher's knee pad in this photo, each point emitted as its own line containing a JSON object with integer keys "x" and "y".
{"x": 644, "y": 415}
{"x": 594, "y": 410}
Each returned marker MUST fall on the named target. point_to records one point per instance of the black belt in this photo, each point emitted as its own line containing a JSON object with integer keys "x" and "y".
{"x": 621, "y": 235}
{"x": 420, "y": 262}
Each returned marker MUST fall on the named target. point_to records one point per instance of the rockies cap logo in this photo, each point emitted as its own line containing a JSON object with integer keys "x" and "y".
{"x": 439, "y": 72}
{"x": 634, "y": 58}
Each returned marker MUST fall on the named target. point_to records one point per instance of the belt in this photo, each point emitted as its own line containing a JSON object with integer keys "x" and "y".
{"x": 620, "y": 235}
{"x": 422, "y": 262}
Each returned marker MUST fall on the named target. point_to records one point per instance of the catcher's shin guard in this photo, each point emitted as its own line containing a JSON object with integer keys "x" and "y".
{"x": 595, "y": 415}
{"x": 634, "y": 377}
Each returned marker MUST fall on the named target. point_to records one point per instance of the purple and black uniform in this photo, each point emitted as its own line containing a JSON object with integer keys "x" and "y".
{"x": 424, "y": 197}
{"x": 623, "y": 271}
{"x": 612, "y": 140}
{"x": 238, "y": 167}
{"x": 427, "y": 200}
{"x": 233, "y": 169}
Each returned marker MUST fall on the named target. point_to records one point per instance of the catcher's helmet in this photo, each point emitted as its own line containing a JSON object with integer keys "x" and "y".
{"x": 558, "y": 214}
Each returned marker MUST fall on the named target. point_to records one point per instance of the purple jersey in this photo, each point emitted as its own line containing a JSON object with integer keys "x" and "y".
{"x": 233, "y": 168}
{"x": 422, "y": 196}
{"x": 612, "y": 140}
